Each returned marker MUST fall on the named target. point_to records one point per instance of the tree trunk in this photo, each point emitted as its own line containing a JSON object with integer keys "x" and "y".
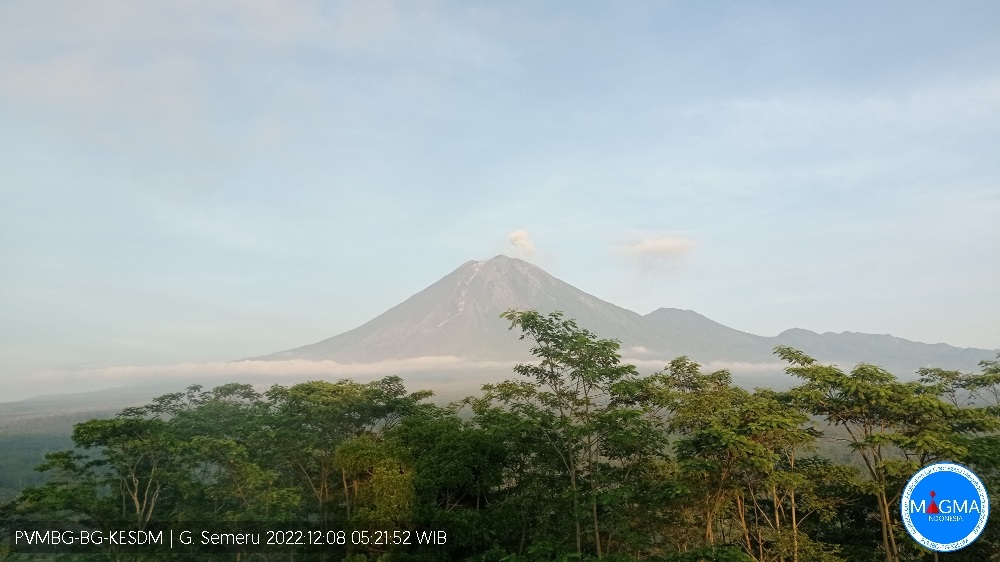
{"x": 347, "y": 493}
{"x": 576, "y": 508}
{"x": 777, "y": 514}
{"x": 597, "y": 530}
{"x": 709, "y": 531}
{"x": 741, "y": 507}
{"x": 795, "y": 521}
{"x": 888, "y": 541}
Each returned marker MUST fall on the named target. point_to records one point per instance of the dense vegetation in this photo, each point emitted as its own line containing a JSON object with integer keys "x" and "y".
{"x": 577, "y": 458}
{"x": 21, "y": 455}
{"x": 25, "y": 438}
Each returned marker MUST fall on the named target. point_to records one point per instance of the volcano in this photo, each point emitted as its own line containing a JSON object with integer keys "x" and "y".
{"x": 459, "y": 316}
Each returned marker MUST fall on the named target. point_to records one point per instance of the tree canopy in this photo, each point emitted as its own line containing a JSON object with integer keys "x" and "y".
{"x": 577, "y": 457}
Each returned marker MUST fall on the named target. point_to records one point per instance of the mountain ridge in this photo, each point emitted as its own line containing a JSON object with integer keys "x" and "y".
{"x": 459, "y": 315}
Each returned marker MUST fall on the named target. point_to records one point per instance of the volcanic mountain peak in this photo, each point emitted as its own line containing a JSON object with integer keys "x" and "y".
{"x": 459, "y": 316}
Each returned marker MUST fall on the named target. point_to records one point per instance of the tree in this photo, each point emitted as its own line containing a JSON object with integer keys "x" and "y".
{"x": 312, "y": 423}
{"x": 230, "y": 455}
{"x": 894, "y": 427}
{"x": 738, "y": 452}
{"x": 582, "y": 400}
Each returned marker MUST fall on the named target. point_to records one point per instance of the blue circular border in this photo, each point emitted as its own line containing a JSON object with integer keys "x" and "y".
{"x": 984, "y": 502}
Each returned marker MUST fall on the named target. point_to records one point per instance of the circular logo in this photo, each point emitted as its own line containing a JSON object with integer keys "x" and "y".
{"x": 945, "y": 507}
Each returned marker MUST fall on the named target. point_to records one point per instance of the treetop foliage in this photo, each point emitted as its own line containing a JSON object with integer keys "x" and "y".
{"x": 577, "y": 457}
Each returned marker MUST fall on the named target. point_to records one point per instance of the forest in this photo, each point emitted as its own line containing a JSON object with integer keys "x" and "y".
{"x": 576, "y": 457}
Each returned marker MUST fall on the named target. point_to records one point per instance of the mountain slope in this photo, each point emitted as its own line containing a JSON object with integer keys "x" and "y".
{"x": 895, "y": 354}
{"x": 685, "y": 332}
{"x": 459, "y": 316}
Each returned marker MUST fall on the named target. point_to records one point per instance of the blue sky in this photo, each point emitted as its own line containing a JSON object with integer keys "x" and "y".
{"x": 189, "y": 181}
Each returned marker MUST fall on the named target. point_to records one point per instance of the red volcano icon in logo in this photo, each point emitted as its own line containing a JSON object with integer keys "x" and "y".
{"x": 933, "y": 508}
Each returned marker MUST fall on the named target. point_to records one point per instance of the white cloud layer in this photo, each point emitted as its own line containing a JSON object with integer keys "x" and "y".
{"x": 657, "y": 251}
{"x": 277, "y": 369}
{"x": 446, "y": 374}
{"x": 660, "y": 247}
{"x": 449, "y": 377}
{"x": 735, "y": 367}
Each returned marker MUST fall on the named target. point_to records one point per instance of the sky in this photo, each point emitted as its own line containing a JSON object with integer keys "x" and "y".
{"x": 186, "y": 182}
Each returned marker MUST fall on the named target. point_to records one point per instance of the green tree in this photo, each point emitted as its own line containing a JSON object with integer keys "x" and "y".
{"x": 583, "y": 402}
{"x": 314, "y": 422}
{"x": 894, "y": 427}
{"x": 739, "y": 455}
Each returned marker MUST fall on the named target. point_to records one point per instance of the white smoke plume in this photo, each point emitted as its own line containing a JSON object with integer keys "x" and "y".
{"x": 521, "y": 242}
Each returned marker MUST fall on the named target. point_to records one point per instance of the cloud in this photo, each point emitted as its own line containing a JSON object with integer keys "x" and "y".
{"x": 447, "y": 375}
{"x": 745, "y": 367}
{"x": 660, "y": 247}
{"x": 521, "y": 242}
{"x": 289, "y": 368}
{"x": 60, "y": 79}
{"x": 738, "y": 368}
{"x": 855, "y": 121}
{"x": 416, "y": 369}
{"x": 114, "y": 67}
{"x": 657, "y": 251}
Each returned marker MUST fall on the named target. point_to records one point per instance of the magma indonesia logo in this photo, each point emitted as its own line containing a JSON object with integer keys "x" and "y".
{"x": 945, "y": 507}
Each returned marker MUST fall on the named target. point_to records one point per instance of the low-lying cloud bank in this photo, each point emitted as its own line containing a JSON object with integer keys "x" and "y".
{"x": 279, "y": 369}
{"x": 437, "y": 371}
{"x": 325, "y": 368}
{"x": 735, "y": 367}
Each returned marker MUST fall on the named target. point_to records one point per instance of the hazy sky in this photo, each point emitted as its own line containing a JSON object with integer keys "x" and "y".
{"x": 205, "y": 181}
